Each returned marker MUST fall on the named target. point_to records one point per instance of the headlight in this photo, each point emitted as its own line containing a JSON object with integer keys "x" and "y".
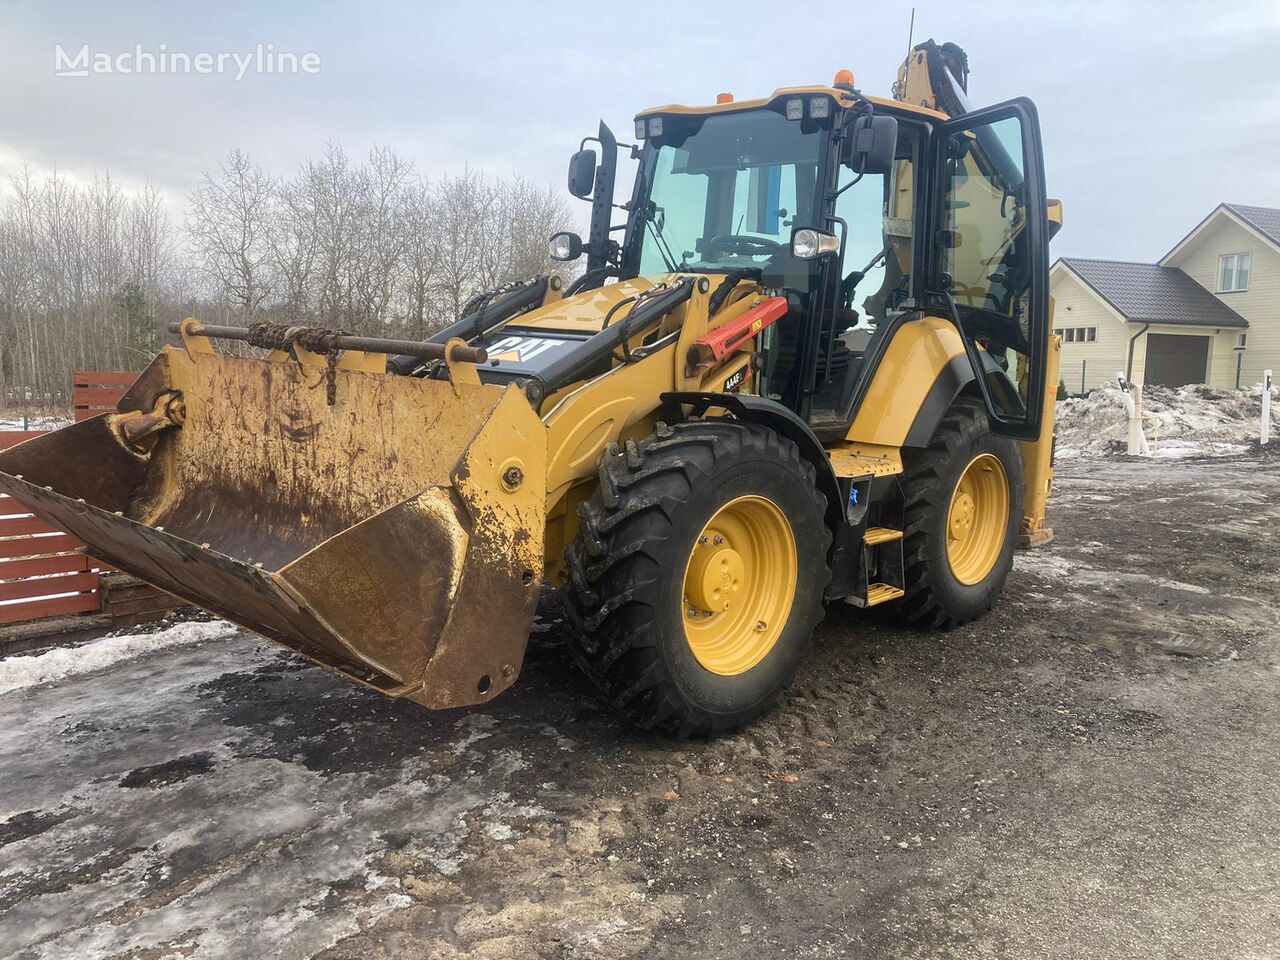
{"x": 795, "y": 108}
{"x": 640, "y": 128}
{"x": 655, "y": 126}
{"x": 820, "y": 108}
{"x": 808, "y": 243}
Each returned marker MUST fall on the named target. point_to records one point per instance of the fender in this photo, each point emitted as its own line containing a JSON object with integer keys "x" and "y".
{"x": 951, "y": 381}
{"x": 778, "y": 418}
{"x": 919, "y": 372}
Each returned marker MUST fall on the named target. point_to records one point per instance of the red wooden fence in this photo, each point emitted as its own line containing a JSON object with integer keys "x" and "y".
{"x": 40, "y": 574}
{"x": 95, "y": 393}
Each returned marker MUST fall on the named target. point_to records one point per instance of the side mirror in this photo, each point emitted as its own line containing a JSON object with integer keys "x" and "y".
{"x": 871, "y": 144}
{"x": 582, "y": 173}
{"x": 809, "y": 244}
{"x": 565, "y": 246}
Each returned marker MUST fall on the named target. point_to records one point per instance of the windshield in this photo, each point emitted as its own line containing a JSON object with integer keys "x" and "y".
{"x": 725, "y": 190}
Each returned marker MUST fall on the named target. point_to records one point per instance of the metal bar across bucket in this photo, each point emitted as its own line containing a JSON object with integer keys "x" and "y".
{"x": 411, "y": 348}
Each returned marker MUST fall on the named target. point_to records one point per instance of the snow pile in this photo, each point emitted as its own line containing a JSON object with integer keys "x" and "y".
{"x": 19, "y": 672}
{"x": 10, "y": 420}
{"x": 1190, "y": 421}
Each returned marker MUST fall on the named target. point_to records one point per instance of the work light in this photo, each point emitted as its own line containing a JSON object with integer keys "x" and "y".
{"x": 807, "y": 243}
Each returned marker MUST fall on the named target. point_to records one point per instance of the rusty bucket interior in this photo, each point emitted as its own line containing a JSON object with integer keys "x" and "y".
{"x": 393, "y": 534}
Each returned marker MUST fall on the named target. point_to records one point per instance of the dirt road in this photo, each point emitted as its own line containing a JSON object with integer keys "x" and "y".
{"x": 1091, "y": 771}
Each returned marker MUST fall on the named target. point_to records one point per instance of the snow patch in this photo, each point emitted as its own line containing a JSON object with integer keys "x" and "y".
{"x": 501, "y": 809}
{"x": 479, "y": 727}
{"x": 1190, "y": 421}
{"x": 17, "y": 673}
{"x": 33, "y": 422}
{"x": 1074, "y": 572}
{"x": 562, "y": 742}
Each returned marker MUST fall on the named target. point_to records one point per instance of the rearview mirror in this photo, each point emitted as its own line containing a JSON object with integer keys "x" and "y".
{"x": 582, "y": 173}
{"x": 565, "y": 246}
{"x": 871, "y": 144}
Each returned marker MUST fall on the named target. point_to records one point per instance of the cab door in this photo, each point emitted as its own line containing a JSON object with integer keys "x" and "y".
{"x": 988, "y": 263}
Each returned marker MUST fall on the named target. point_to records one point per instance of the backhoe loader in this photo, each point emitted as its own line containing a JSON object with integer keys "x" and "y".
{"x": 811, "y": 366}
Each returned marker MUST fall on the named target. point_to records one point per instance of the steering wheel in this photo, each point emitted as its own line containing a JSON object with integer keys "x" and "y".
{"x": 744, "y": 245}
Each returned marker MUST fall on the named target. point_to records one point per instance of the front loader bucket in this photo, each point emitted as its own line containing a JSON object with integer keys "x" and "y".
{"x": 394, "y": 536}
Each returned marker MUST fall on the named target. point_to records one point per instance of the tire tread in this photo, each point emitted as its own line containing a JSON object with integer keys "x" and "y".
{"x": 611, "y": 595}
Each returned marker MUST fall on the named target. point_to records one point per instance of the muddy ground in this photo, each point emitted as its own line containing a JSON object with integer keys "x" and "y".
{"x": 1091, "y": 771}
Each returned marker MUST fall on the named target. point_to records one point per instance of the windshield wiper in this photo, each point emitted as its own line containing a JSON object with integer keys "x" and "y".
{"x": 655, "y": 230}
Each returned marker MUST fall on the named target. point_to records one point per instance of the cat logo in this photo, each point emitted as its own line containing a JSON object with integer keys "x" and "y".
{"x": 519, "y": 349}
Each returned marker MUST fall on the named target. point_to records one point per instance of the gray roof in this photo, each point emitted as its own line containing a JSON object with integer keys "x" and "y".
{"x": 1147, "y": 293}
{"x": 1266, "y": 220}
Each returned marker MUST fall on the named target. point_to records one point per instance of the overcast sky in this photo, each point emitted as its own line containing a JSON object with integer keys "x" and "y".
{"x": 1152, "y": 112}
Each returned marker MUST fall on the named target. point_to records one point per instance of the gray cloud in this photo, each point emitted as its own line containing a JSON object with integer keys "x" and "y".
{"x": 1152, "y": 113}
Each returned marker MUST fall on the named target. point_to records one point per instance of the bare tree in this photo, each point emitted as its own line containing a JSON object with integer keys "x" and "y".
{"x": 229, "y": 229}
{"x": 461, "y": 210}
{"x": 90, "y": 273}
{"x": 420, "y": 268}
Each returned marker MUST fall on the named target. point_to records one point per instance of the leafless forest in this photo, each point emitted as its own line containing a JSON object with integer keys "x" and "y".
{"x": 90, "y": 273}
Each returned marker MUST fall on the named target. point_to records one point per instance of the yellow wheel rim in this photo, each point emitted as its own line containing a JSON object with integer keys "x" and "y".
{"x": 739, "y": 585}
{"x": 978, "y": 519}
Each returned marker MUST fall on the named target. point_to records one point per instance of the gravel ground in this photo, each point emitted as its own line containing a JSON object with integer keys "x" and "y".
{"x": 1090, "y": 771}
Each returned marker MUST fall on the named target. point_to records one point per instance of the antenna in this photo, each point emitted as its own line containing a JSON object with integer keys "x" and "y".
{"x": 911, "y": 32}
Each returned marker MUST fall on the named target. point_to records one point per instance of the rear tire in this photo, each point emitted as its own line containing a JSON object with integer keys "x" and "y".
{"x": 957, "y": 546}
{"x": 648, "y": 538}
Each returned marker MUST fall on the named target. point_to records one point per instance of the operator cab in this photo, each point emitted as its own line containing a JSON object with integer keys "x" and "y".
{"x": 725, "y": 192}
{"x": 905, "y": 213}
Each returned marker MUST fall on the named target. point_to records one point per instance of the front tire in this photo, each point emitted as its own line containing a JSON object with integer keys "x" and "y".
{"x": 697, "y": 576}
{"x": 963, "y": 513}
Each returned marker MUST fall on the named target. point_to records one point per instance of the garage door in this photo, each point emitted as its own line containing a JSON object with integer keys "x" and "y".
{"x": 1173, "y": 360}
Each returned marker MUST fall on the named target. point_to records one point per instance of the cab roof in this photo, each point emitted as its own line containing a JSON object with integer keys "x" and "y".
{"x": 842, "y": 96}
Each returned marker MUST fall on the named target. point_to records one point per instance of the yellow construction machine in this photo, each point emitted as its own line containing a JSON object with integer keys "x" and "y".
{"x": 813, "y": 365}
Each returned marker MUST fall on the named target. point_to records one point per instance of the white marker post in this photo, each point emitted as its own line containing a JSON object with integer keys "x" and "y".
{"x": 1137, "y": 445}
{"x": 1265, "y": 436}
{"x": 1136, "y": 427}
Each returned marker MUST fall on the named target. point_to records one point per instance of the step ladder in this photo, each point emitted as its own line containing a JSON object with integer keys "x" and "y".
{"x": 882, "y": 559}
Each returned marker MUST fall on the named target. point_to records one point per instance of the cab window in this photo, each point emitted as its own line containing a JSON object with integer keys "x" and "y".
{"x": 726, "y": 190}
{"x": 874, "y": 280}
{"x": 986, "y": 258}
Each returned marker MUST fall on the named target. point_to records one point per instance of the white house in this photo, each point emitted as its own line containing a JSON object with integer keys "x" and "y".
{"x": 1208, "y": 312}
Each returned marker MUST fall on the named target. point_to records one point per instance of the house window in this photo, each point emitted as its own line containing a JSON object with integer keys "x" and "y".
{"x": 1078, "y": 334}
{"x": 1241, "y": 340}
{"x": 1233, "y": 272}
